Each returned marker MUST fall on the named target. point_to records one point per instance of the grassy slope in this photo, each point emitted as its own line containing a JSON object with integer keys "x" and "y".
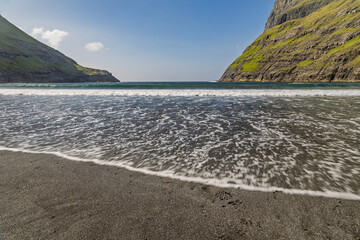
{"x": 20, "y": 52}
{"x": 317, "y": 41}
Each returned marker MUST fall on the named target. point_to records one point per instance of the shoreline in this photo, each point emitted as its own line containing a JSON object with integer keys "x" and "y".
{"x": 316, "y": 92}
{"x": 43, "y": 196}
{"x": 224, "y": 183}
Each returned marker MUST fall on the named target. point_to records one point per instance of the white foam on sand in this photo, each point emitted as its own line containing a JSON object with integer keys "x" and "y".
{"x": 214, "y": 182}
{"x": 184, "y": 93}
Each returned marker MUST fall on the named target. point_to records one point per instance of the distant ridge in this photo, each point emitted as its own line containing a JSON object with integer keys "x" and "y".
{"x": 304, "y": 41}
{"x": 24, "y": 59}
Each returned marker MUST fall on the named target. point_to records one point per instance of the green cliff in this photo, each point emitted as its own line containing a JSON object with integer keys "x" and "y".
{"x": 24, "y": 59}
{"x": 304, "y": 41}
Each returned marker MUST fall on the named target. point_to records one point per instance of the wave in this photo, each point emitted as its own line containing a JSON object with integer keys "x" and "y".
{"x": 186, "y": 92}
{"x": 224, "y": 183}
{"x": 185, "y": 85}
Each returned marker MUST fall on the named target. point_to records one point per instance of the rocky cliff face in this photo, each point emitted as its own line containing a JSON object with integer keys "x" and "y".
{"x": 24, "y": 59}
{"x": 287, "y": 10}
{"x": 304, "y": 40}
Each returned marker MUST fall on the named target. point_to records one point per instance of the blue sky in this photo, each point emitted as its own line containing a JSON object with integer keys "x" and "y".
{"x": 139, "y": 40}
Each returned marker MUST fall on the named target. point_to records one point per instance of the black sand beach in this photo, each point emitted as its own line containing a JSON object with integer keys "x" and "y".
{"x": 46, "y": 197}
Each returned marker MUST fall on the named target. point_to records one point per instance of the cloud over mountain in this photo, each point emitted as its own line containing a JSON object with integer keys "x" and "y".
{"x": 94, "y": 46}
{"x": 53, "y": 38}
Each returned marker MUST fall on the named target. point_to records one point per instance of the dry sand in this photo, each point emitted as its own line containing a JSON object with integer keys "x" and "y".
{"x": 47, "y": 197}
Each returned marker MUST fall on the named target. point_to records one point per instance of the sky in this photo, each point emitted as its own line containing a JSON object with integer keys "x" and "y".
{"x": 145, "y": 40}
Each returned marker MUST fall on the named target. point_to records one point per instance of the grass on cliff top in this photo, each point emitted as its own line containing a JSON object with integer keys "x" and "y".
{"x": 21, "y": 63}
{"x": 88, "y": 71}
{"x": 10, "y": 36}
{"x": 301, "y": 4}
{"x": 305, "y": 63}
{"x": 247, "y": 53}
{"x": 356, "y": 61}
{"x": 345, "y": 31}
{"x": 341, "y": 15}
{"x": 348, "y": 45}
{"x": 252, "y": 65}
{"x": 328, "y": 15}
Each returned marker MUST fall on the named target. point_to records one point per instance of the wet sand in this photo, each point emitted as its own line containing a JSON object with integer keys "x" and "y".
{"x": 47, "y": 197}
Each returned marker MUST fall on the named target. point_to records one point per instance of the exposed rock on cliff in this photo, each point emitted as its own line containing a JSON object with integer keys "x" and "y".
{"x": 304, "y": 40}
{"x": 24, "y": 59}
{"x": 287, "y": 10}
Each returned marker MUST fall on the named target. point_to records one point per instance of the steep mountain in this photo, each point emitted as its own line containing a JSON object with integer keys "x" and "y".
{"x": 286, "y": 10}
{"x": 24, "y": 59}
{"x": 304, "y": 41}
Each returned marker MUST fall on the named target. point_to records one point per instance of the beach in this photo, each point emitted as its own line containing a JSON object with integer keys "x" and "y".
{"x": 157, "y": 140}
{"x": 46, "y": 197}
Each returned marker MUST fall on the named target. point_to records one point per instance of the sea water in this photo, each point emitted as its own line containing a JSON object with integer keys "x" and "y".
{"x": 295, "y": 138}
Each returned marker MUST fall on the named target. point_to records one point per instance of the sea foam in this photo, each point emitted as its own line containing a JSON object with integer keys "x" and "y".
{"x": 224, "y": 183}
{"x": 280, "y": 142}
{"x": 184, "y": 93}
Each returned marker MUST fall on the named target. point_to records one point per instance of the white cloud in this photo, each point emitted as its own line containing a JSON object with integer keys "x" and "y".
{"x": 53, "y": 37}
{"x": 94, "y": 46}
{"x": 37, "y": 31}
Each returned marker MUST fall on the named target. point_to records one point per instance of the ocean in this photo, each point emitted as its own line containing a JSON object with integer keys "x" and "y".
{"x": 299, "y": 138}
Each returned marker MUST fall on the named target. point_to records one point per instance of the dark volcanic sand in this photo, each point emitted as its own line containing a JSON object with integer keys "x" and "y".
{"x": 46, "y": 197}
